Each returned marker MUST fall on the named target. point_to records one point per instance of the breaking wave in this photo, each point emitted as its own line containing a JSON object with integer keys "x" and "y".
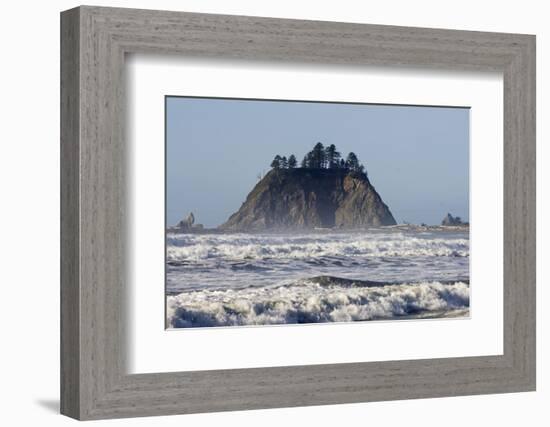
{"x": 196, "y": 248}
{"x": 321, "y": 299}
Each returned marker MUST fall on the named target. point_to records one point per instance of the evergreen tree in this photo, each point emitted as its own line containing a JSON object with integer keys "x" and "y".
{"x": 352, "y": 162}
{"x": 292, "y": 161}
{"x": 276, "y": 163}
{"x": 284, "y": 163}
{"x": 332, "y": 157}
{"x": 318, "y": 156}
{"x": 309, "y": 160}
{"x": 337, "y": 156}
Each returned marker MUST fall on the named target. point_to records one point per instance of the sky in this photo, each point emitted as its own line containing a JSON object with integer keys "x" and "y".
{"x": 416, "y": 157}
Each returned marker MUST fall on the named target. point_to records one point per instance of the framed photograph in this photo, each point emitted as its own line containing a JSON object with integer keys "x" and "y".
{"x": 287, "y": 241}
{"x": 262, "y": 213}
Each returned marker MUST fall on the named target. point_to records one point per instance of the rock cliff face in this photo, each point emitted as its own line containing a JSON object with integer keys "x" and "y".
{"x": 293, "y": 199}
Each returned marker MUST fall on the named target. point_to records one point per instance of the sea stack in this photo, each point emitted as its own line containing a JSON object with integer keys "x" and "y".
{"x": 451, "y": 220}
{"x": 308, "y": 198}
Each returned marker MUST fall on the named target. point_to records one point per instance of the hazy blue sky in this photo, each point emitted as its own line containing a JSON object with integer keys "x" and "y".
{"x": 417, "y": 158}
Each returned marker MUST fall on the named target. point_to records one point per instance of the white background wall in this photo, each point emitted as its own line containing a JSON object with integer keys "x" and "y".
{"x": 29, "y": 214}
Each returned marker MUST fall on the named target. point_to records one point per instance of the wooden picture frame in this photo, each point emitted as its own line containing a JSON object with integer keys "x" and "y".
{"x": 94, "y": 382}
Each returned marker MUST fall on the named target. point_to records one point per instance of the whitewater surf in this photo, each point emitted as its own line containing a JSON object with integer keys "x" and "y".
{"x": 257, "y": 279}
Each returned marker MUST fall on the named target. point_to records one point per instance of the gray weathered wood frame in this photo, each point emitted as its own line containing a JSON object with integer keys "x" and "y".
{"x": 94, "y": 41}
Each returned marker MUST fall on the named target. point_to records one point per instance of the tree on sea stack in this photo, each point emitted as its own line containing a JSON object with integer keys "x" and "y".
{"x": 276, "y": 163}
{"x": 310, "y": 161}
{"x": 284, "y": 162}
{"x": 318, "y": 157}
{"x": 292, "y": 161}
{"x": 332, "y": 157}
{"x": 352, "y": 162}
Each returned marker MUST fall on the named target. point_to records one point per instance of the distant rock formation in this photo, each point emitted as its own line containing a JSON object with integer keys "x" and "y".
{"x": 451, "y": 220}
{"x": 188, "y": 224}
{"x": 305, "y": 198}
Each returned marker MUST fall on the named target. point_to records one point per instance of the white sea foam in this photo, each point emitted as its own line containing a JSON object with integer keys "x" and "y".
{"x": 196, "y": 248}
{"x": 310, "y": 302}
{"x": 253, "y": 279}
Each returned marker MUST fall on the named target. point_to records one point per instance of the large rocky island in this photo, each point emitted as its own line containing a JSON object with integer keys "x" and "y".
{"x": 307, "y": 198}
{"x": 325, "y": 191}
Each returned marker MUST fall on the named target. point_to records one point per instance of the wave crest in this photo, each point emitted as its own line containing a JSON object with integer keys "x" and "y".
{"x": 312, "y": 302}
{"x": 196, "y": 248}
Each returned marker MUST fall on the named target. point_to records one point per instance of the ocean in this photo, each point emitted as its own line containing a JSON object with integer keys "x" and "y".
{"x": 259, "y": 279}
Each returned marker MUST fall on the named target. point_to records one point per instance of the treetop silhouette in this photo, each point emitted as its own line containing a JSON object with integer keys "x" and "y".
{"x": 320, "y": 157}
